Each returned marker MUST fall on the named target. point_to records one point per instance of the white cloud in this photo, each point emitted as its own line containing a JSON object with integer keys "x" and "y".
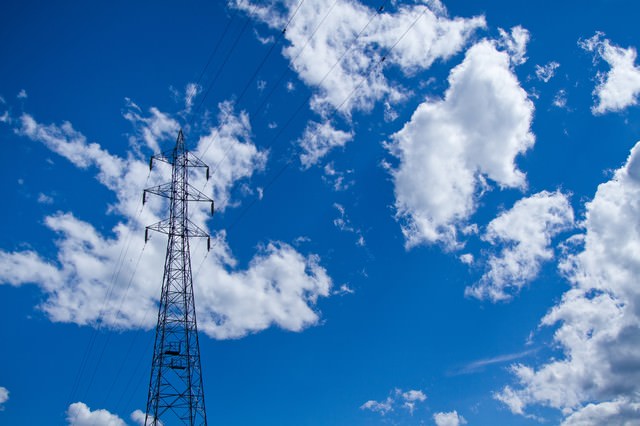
{"x": 620, "y": 412}
{"x": 79, "y": 414}
{"x": 560, "y": 99}
{"x": 525, "y": 233}
{"x": 466, "y": 258}
{"x": 411, "y": 398}
{"x": 139, "y": 417}
{"x": 343, "y": 223}
{"x": 22, "y": 94}
{"x": 280, "y": 287}
{"x": 190, "y": 92}
{"x": 378, "y": 407}
{"x": 230, "y": 152}
{"x": 4, "y": 397}
{"x": 263, "y": 40}
{"x": 407, "y": 400}
{"x": 337, "y": 178}
{"x": 331, "y": 62}
{"x": 479, "y": 365}
{"x": 318, "y": 139}
{"x": 95, "y": 279}
{"x": 546, "y": 72}
{"x": 343, "y": 290}
{"x": 449, "y": 419}
{"x": 618, "y": 88}
{"x": 44, "y": 199}
{"x": 598, "y": 319}
{"x": 156, "y": 128}
{"x": 450, "y": 146}
{"x": 515, "y": 43}
{"x": 389, "y": 113}
{"x": 72, "y": 145}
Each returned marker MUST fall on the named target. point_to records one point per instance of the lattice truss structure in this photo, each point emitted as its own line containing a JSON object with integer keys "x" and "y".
{"x": 176, "y": 393}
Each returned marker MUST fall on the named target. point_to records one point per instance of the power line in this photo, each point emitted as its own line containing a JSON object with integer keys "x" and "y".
{"x": 211, "y": 56}
{"x": 284, "y": 74}
{"x": 249, "y": 82}
{"x": 335, "y": 110}
{"x": 217, "y": 75}
{"x": 112, "y": 282}
{"x": 117, "y": 313}
{"x": 125, "y": 248}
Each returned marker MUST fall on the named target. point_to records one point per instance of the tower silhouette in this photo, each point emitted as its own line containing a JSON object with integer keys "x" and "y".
{"x": 176, "y": 393}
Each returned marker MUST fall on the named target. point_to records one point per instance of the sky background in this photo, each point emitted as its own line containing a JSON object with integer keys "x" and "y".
{"x": 426, "y": 214}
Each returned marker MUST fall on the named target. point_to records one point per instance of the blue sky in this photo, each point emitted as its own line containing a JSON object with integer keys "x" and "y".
{"x": 426, "y": 215}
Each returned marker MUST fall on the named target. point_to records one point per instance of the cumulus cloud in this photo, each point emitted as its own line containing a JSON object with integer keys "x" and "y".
{"x": 318, "y": 139}
{"x": 113, "y": 279}
{"x": 451, "y": 146}
{"x": 139, "y": 418}
{"x": 230, "y": 152}
{"x": 451, "y": 418}
{"x": 525, "y": 233}
{"x": 596, "y": 380}
{"x": 79, "y": 414}
{"x": 620, "y": 412}
{"x": 406, "y": 400}
{"x": 619, "y": 87}
{"x": 546, "y": 72}
{"x": 325, "y": 54}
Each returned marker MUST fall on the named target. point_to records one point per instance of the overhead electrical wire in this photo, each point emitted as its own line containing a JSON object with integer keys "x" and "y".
{"x": 191, "y": 95}
{"x": 293, "y": 116}
{"x": 308, "y": 98}
{"x": 225, "y": 119}
{"x": 194, "y": 112}
{"x": 333, "y": 113}
{"x": 111, "y": 285}
{"x": 264, "y": 101}
{"x": 125, "y": 248}
{"x": 117, "y": 313}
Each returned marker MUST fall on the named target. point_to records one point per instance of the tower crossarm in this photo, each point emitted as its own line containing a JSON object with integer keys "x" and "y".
{"x": 166, "y": 190}
{"x": 164, "y": 227}
{"x": 166, "y": 157}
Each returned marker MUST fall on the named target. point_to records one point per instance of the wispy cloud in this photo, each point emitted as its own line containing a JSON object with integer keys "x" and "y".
{"x": 481, "y": 364}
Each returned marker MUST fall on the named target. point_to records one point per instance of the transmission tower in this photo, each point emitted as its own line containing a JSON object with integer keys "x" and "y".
{"x": 176, "y": 394}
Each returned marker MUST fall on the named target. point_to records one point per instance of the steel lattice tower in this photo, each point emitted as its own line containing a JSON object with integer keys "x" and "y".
{"x": 176, "y": 394}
